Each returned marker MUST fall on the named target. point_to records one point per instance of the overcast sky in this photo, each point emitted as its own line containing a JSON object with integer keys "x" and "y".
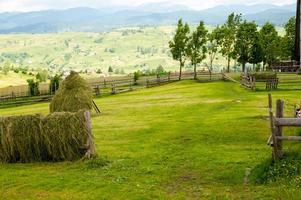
{"x": 29, "y": 5}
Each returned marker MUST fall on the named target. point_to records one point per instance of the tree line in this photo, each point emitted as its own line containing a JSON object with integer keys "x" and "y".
{"x": 236, "y": 39}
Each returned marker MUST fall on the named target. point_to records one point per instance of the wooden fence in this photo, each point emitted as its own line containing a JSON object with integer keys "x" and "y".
{"x": 103, "y": 86}
{"x": 276, "y": 124}
{"x": 249, "y": 81}
{"x": 129, "y": 84}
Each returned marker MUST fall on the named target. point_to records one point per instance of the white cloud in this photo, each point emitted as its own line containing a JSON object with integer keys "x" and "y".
{"x": 28, "y": 5}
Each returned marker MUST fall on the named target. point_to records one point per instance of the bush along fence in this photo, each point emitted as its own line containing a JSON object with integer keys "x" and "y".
{"x": 56, "y": 137}
{"x": 250, "y": 80}
{"x": 276, "y": 124}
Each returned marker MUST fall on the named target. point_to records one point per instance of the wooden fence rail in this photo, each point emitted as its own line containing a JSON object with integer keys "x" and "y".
{"x": 277, "y": 123}
{"x": 248, "y": 81}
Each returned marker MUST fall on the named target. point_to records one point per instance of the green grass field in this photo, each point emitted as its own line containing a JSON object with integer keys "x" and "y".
{"x": 185, "y": 140}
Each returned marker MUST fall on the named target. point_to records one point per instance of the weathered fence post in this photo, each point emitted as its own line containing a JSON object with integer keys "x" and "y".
{"x": 158, "y": 79}
{"x": 131, "y": 84}
{"x": 273, "y": 129}
{"x": 168, "y": 76}
{"x": 253, "y": 83}
{"x": 223, "y": 76}
{"x": 278, "y": 129}
{"x": 147, "y": 82}
{"x": 97, "y": 90}
{"x": 113, "y": 89}
{"x": 104, "y": 83}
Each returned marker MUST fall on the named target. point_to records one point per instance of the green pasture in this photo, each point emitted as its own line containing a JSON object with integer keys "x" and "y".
{"x": 184, "y": 140}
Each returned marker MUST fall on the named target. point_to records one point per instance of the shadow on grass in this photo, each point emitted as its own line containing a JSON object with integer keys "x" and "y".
{"x": 278, "y": 90}
{"x": 286, "y": 171}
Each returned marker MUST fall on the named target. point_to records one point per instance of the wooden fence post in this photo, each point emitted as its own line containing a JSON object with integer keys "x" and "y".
{"x": 253, "y": 83}
{"x": 274, "y": 139}
{"x": 131, "y": 88}
{"x": 278, "y": 129}
{"x": 168, "y": 76}
{"x": 113, "y": 89}
{"x": 147, "y": 82}
{"x": 97, "y": 90}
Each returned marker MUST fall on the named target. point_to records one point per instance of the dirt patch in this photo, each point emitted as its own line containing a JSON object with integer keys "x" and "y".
{"x": 187, "y": 183}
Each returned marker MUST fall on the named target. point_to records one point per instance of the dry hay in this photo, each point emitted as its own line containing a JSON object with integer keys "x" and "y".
{"x": 73, "y": 95}
{"x": 67, "y": 135}
{"x": 33, "y": 138}
{"x": 21, "y": 139}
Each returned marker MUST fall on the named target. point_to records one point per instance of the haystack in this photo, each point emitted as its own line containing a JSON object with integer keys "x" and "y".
{"x": 73, "y": 95}
{"x": 67, "y": 135}
{"x": 21, "y": 139}
{"x": 56, "y": 137}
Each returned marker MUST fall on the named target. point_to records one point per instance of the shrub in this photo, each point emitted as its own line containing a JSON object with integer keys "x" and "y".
{"x": 136, "y": 76}
{"x": 33, "y": 87}
{"x": 54, "y": 83}
{"x": 263, "y": 76}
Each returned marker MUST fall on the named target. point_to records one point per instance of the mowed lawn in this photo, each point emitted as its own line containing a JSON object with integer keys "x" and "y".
{"x": 185, "y": 140}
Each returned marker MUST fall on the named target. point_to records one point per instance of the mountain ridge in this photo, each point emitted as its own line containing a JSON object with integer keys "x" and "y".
{"x": 104, "y": 19}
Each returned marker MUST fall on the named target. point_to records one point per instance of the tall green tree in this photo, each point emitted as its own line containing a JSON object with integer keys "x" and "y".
{"x": 257, "y": 55}
{"x": 212, "y": 47}
{"x": 110, "y": 69}
{"x": 247, "y": 34}
{"x": 288, "y": 41}
{"x": 178, "y": 46}
{"x": 227, "y": 37}
{"x": 270, "y": 44}
{"x": 196, "y": 47}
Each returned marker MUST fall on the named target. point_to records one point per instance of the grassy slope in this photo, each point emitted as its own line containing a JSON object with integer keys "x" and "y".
{"x": 46, "y": 50}
{"x": 13, "y": 79}
{"x": 185, "y": 140}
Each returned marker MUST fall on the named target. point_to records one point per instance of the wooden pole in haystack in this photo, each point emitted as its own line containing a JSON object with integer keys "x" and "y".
{"x": 90, "y": 141}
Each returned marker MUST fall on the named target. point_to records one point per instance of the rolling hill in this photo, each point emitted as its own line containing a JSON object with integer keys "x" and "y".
{"x": 85, "y": 19}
